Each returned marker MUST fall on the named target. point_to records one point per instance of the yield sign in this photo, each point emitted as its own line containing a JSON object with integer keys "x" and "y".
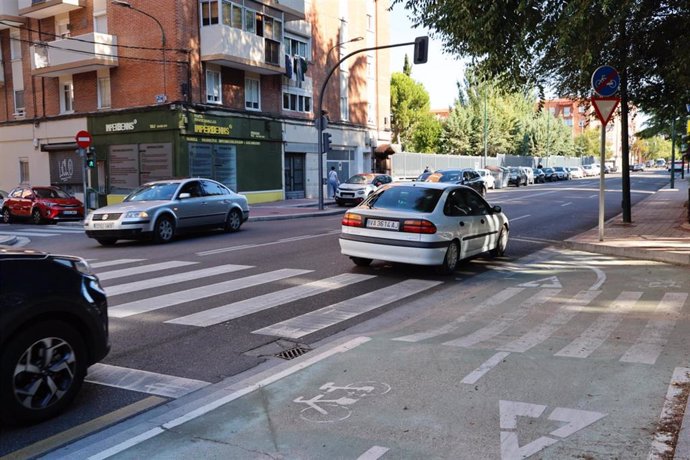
{"x": 604, "y": 107}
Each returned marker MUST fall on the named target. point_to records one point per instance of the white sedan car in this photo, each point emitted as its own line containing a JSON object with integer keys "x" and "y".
{"x": 423, "y": 223}
{"x": 489, "y": 179}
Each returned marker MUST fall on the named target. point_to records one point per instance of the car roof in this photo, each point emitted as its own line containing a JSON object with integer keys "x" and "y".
{"x": 430, "y": 185}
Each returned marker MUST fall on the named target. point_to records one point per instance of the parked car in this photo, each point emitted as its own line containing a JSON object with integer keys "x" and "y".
{"x": 516, "y": 176}
{"x": 636, "y": 167}
{"x": 539, "y": 176}
{"x": 529, "y": 173}
{"x": 358, "y": 187}
{"x": 3, "y": 195}
{"x": 423, "y": 223}
{"x": 465, "y": 176}
{"x": 550, "y": 174}
{"x": 159, "y": 210}
{"x": 561, "y": 173}
{"x": 660, "y": 163}
{"x": 489, "y": 179}
{"x": 53, "y": 326}
{"x": 677, "y": 166}
{"x": 576, "y": 172}
{"x": 590, "y": 170}
{"x": 41, "y": 204}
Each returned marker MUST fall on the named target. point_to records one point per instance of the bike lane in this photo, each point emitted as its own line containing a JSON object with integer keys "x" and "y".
{"x": 572, "y": 357}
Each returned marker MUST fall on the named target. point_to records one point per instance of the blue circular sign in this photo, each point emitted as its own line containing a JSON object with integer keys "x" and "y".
{"x": 606, "y": 81}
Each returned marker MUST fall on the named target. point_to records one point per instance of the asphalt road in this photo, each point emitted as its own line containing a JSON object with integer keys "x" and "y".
{"x": 163, "y": 353}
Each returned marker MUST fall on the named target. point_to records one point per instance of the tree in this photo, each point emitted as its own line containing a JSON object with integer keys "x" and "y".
{"x": 409, "y": 104}
{"x": 588, "y": 143}
{"x": 426, "y": 134}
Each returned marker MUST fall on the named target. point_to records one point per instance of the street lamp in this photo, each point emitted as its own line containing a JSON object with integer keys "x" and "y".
{"x": 320, "y": 124}
{"x": 125, "y": 4}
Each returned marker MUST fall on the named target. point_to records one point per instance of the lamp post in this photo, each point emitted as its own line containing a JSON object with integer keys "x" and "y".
{"x": 125, "y": 4}
{"x": 319, "y": 118}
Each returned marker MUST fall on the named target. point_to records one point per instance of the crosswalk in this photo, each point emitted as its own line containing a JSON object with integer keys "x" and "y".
{"x": 40, "y": 231}
{"x": 575, "y": 325}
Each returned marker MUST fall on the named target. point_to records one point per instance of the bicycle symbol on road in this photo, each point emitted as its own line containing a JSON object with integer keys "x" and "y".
{"x": 322, "y": 410}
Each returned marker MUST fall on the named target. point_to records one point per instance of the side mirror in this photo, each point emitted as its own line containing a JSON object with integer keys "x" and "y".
{"x": 184, "y": 195}
{"x": 496, "y": 209}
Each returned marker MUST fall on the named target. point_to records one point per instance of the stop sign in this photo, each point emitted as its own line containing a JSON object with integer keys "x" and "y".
{"x": 83, "y": 139}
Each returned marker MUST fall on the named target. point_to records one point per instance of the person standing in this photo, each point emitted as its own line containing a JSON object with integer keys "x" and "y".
{"x": 333, "y": 181}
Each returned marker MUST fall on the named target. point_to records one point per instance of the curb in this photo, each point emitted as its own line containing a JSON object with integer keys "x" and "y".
{"x": 629, "y": 253}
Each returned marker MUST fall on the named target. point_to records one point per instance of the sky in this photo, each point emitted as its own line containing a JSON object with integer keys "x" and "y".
{"x": 441, "y": 72}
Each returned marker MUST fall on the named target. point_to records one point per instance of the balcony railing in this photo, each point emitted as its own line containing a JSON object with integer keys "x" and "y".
{"x": 40, "y": 9}
{"x": 84, "y": 53}
{"x": 232, "y": 47}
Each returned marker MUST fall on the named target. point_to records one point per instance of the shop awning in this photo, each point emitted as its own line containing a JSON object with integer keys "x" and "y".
{"x": 388, "y": 149}
{"x": 59, "y": 146}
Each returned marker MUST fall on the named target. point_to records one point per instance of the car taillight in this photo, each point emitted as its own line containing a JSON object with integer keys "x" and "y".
{"x": 418, "y": 226}
{"x": 352, "y": 220}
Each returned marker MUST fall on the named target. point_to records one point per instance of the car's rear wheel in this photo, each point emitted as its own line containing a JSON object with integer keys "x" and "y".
{"x": 41, "y": 371}
{"x": 233, "y": 221}
{"x": 106, "y": 241}
{"x": 361, "y": 261}
{"x": 36, "y": 216}
{"x": 450, "y": 261}
{"x": 164, "y": 230}
{"x": 501, "y": 243}
{"x": 6, "y": 216}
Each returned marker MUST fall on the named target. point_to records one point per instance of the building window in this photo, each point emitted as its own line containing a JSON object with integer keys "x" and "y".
{"x": 344, "y": 102}
{"x": 566, "y": 111}
{"x": 24, "y": 171}
{"x": 252, "y": 94}
{"x": 232, "y": 14}
{"x": 66, "y": 96}
{"x": 296, "y": 102}
{"x": 213, "y": 86}
{"x": 297, "y": 46}
{"x": 209, "y": 12}
{"x": 100, "y": 23}
{"x": 62, "y": 25}
{"x": 250, "y": 17}
{"x": 15, "y": 45}
{"x": 568, "y": 122}
{"x": 103, "y": 83}
{"x": 19, "y": 103}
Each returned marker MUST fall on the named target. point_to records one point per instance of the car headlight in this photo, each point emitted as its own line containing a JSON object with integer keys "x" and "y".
{"x": 79, "y": 264}
{"x": 136, "y": 215}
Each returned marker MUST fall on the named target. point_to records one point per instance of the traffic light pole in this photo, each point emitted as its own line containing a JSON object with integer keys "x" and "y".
{"x": 319, "y": 113}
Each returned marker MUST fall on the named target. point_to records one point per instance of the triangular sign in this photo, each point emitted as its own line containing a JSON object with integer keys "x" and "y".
{"x": 604, "y": 107}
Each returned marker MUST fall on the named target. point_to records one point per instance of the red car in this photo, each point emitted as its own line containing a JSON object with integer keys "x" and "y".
{"x": 41, "y": 204}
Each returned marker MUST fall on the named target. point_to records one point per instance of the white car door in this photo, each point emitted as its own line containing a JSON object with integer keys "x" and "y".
{"x": 462, "y": 221}
{"x": 484, "y": 225}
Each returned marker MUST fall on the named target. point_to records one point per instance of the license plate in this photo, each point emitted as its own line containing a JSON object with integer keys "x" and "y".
{"x": 103, "y": 225}
{"x": 69, "y": 212}
{"x": 347, "y": 195}
{"x": 383, "y": 224}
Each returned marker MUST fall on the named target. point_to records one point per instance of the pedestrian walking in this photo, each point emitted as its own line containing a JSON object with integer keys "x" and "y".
{"x": 333, "y": 181}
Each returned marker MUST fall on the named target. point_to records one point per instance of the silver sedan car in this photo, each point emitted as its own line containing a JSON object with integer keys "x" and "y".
{"x": 158, "y": 210}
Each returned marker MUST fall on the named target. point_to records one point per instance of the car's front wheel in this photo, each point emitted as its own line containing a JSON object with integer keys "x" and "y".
{"x": 361, "y": 261}
{"x": 234, "y": 221}
{"x": 450, "y": 261}
{"x": 501, "y": 243}
{"x": 164, "y": 230}
{"x": 36, "y": 216}
{"x": 41, "y": 371}
{"x": 6, "y": 216}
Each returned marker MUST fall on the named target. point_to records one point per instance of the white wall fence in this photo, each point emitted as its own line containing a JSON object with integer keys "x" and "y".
{"x": 408, "y": 165}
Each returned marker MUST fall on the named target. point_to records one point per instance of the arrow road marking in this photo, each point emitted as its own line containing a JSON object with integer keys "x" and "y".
{"x": 550, "y": 282}
{"x": 574, "y": 419}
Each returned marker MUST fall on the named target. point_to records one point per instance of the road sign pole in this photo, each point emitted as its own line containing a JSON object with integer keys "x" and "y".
{"x": 602, "y": 189}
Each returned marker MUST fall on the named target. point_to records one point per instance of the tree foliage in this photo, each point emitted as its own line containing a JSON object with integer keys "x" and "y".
{"x": 409, "y": 106}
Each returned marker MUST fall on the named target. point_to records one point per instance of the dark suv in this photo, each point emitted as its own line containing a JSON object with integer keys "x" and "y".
{"x": 41, "y": 204}
{"x": 53, "y": 326}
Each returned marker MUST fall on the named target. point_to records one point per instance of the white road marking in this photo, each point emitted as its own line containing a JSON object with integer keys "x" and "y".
{"x": 142, "y": 381}
{"x": 485, "y": 367}
{"x": 662, "y": 442}
{"x": 567, "y": 204}
{"x": 110, "y": 263}
{"x": 173, "y": 279}
{"x": 598, "y": 332}
{"x": 496, "y": 299}
{"x": 255, "y": 304}
{"x": 499, "y": 325}
{"x": 28, "y": 234}
{"x": 259, "y": 245}
{"x": 651, "y": 342}
{"x": 542, "y": 332}
{"x": 373, "y": 453}
{"x": 309, "y": 323}
{"x": 142, "y": 269}
{"x": 551, "y": 282}
{"x": 201, "y": 292}
{"x": 513, "y": 219}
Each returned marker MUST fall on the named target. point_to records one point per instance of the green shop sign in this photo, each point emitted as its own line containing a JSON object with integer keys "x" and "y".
{"x": 204, "y": 125}
{"x": 134, "y": 122}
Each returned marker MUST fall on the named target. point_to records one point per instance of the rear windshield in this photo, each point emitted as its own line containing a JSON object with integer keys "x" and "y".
{"x": 406, "y": 198}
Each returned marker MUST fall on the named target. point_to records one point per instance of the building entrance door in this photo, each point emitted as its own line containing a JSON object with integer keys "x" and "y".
{"x": 294, "y": 176}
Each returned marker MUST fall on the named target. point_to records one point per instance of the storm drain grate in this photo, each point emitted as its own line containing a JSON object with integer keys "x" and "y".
{"x": 292, "y": 353}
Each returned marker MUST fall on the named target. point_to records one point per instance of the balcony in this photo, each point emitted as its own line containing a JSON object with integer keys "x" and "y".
{"x": 231, "y": 47}
{"x": 84, "y": 53}
{"x": 293, "y": 9}
{"x": 40, "y": 9}
{"x": 9, "y": 15}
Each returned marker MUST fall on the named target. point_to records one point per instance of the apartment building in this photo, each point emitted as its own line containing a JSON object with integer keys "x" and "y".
{"x": 225, "y": 89}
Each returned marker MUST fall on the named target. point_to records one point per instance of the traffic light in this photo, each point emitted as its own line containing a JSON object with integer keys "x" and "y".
{"x": 325, "y": 142}
{"x": 421, "y": 50}
{"x": 90, "y": 158}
